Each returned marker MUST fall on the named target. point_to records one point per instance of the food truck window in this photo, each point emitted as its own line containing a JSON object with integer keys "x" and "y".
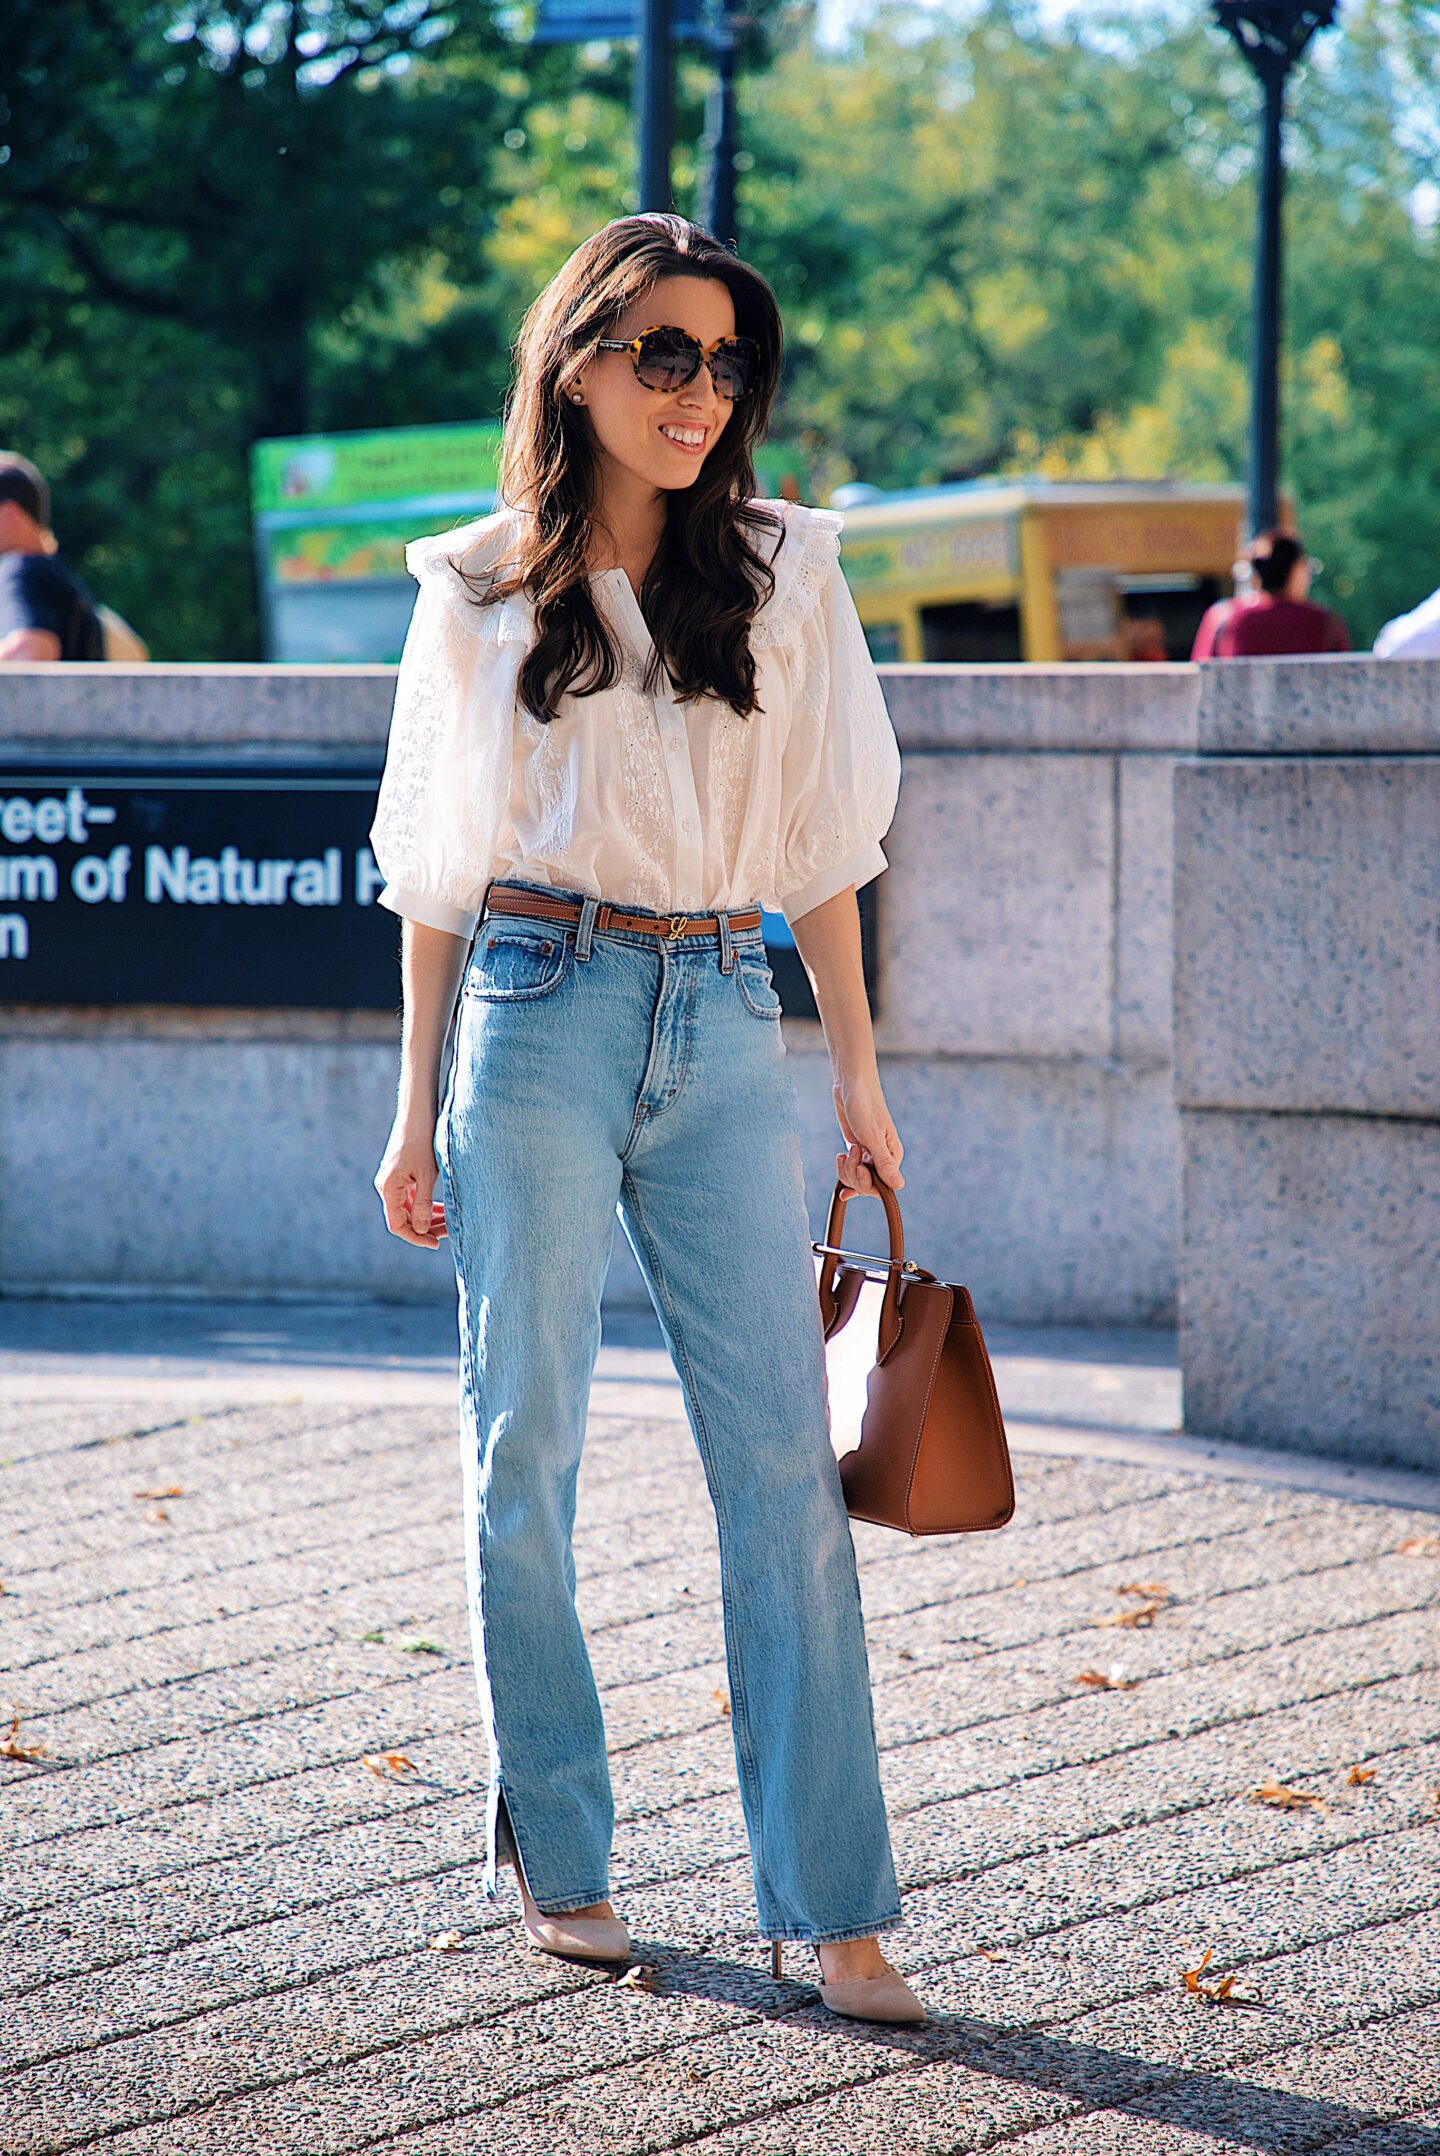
{"x": 971, "y": 632}
{"x": 883, "y": 637}
{"x": 1166, "y": 609}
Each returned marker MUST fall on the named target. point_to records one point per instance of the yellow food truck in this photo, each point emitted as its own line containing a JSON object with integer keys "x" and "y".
{"x": 1039, "y": 569}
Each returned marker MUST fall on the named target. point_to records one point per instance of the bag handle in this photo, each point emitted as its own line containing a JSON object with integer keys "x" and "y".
{"x": 830, "y": 1254}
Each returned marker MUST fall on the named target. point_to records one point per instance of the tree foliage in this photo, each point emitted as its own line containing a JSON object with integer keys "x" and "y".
{"x": 1000, "y": 244}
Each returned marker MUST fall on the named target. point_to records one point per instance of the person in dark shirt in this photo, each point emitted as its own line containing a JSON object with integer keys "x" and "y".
{"x": 45, "y": 610}
{"x": 1278, "y": 617}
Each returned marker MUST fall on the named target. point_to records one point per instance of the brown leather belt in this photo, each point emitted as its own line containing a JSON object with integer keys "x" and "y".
{"x": 516, "y": 898}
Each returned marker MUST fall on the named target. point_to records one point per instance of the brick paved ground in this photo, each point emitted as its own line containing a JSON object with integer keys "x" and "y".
{"x": 218, "y": 1921}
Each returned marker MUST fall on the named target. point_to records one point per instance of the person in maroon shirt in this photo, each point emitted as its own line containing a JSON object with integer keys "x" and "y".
{"x": 1278, "y": 616}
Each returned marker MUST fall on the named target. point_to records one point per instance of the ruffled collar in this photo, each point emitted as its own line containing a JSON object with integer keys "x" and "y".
{"x": 801, "y": 558}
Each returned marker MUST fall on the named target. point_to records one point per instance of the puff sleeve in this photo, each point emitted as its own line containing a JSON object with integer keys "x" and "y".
{"x": 841, "y": 773}
{"x": 446, "y": 779}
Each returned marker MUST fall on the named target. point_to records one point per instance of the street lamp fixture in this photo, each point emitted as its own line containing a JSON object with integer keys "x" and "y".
{"x": 1272, "y": 34}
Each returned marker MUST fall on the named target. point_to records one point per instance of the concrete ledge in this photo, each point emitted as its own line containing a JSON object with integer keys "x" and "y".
{"x": 1051, "y": 1190}
{"x": 1024, "y": 988}
{"x": 141, "y": 711}
{"x": 1003, "y": 943}
{"x": 1307, "y": 959}
{"x": 1328, "y": 706}
{"x": 1311, "y": 1283}
{"x": 1043, "y": 707}
{"x": 237, "y": 1163}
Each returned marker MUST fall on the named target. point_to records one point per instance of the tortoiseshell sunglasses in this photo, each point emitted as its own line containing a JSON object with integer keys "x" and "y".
{"x": 667, "y": 358}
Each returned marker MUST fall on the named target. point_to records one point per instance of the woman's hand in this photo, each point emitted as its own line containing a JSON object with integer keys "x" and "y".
{"x": 874, "y": 1144}
{"x": 431, "y": 964}
{"x": 406, "y": 1183}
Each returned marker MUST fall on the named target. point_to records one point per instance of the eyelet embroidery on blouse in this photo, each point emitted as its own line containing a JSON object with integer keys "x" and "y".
{"x": 732, "y": 752}
{"x": 828, "y": 837}
{"x": 647, "y": 793}
{"x": 781, "y": 618}
{"x": 548, "y": 769}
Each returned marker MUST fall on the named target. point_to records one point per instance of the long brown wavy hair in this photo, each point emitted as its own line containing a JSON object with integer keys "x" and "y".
{"x": 706, "y": 581}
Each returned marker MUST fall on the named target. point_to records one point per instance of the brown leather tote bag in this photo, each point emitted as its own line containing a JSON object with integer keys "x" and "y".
{"x": 932, "y": 1457}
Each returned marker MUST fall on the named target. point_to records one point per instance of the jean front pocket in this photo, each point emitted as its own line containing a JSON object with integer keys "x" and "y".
{"x": 757, "y": 984}
{"x": 515, "y": 965}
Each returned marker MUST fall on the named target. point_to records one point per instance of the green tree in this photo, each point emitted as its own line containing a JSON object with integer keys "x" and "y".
{"x": 195, "y": 198}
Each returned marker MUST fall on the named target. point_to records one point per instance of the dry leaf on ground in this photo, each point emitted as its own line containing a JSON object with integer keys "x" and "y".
{"x": 12, "y": 1748}
{"x": 721, "y": 1700}
{"x": 640, "y": 1976}
{"x": 387, "y": 1763}
{"x": 1360, "y": 1774}
{"x": 1283, "y": 1798}
{"x": 1144, "y": 1613}
{"x": 1146, "y": 1589}
{"x": 446, "y": 1942}
{"x": 1104, "y": 1683}
{"x": 1196, "y": 1984}
{"x": 1419, "y": 1546}
{"x": 171, "y": 1489}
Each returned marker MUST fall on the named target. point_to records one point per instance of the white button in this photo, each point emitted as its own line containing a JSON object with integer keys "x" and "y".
{"x": 688, "y": 824}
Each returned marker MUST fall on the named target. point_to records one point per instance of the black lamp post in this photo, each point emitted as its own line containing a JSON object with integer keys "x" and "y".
{"x": 1271, "y": 34}
{"x": 652, "y": 105}
{"x": 718, "y": 143}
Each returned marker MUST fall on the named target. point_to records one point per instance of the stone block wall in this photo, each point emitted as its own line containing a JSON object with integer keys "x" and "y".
{"x": 1307, "y": 1030}
{"x": 1023, "y": 1016}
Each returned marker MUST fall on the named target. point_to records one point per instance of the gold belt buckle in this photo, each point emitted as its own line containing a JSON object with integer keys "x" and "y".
{"x": 679, "y": 922}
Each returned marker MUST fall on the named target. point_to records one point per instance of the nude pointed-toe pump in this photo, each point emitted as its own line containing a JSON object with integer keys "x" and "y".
{"x": 862, "y": 1998}
{"x": 580, "y": 1938}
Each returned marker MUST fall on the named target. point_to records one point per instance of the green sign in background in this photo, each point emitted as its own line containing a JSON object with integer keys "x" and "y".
{"x": 391, "y": 465}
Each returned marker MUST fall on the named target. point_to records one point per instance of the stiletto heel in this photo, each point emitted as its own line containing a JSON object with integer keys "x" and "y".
{"x": 579, "y": 1938}
{"x": 860, "y": 1998}
{"x": 871, "y": 1998}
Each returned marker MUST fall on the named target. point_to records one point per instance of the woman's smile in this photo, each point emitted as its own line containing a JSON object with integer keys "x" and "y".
{"x": 689, "y": 439}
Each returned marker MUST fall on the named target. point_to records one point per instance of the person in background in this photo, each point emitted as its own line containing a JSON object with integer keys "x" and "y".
{"x": 124, "y": 646}
{"x": 46, "y": 612}
{"x": 1276, "y": 617}
{"x": 1415, "y": 635}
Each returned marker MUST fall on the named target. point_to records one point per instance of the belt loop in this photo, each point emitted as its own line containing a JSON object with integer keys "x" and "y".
{"x": 588, "y": 910}
{"x": 727, "y": 947}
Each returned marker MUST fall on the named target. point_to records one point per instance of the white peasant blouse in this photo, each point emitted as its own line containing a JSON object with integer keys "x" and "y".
{"x": 629, "y": 796}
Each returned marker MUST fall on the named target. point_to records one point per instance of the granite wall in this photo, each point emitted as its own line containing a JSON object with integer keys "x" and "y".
{"x": 1023, "y": 1016}
{"x": 1307, "y": 1029}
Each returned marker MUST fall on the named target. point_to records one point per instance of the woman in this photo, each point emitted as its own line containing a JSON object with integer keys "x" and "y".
{"x": 634, "y": 706}
{"x": 1277, "y": 617}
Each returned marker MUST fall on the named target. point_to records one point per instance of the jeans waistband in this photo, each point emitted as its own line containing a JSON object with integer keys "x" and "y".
{"x": 676, "y": 933}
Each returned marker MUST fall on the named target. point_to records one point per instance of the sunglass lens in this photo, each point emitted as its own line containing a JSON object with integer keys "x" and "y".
{"x": 734, "y": 367}
{"x": 668, "y": 359}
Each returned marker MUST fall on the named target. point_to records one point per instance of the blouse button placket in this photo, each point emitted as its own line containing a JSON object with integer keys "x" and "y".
{"x": 679, "y": 771}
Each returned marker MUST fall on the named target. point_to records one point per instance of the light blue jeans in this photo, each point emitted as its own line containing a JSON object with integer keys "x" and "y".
{"x": 600, "y": 1070}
